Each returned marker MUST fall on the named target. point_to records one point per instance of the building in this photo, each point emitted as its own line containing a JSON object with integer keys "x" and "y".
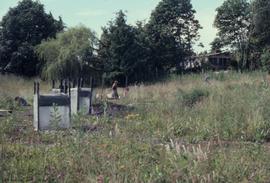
{"x": 218, "y": 61}
{"x": 211, "y": 61}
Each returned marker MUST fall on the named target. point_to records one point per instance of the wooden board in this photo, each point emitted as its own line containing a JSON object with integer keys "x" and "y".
{"x": 4, "y": 112}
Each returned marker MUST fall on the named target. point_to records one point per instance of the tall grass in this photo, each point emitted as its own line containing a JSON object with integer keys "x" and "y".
{"x": 12, "y": 86}
{"x": 181, "y": 130}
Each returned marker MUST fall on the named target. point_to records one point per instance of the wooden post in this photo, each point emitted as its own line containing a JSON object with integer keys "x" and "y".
{"x": 35, "y": 88}
{"x": 74, "y": 83}
{"x": 53, "y": 84}
{"x": 78, "y": 98}
{"x": 102, "y": 86}
{"x": 126, "y": 84}
{"x": 65, "y": 86}
{"x": 82, "y": 83}
{"x": 69, "y": 87}
{"x": 69, "y": 94}
{"x": 78, "y": 83}
{"x": 91, "y": 95}
{"x": 61, "y": 86}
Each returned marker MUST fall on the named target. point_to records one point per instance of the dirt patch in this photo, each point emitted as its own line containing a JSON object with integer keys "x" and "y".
{"x": 111, "y": 109}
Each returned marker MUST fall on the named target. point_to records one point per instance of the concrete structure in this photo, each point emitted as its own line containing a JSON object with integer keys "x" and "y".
{"x": 51, "y": 111}
{"x": 81, "y": 100}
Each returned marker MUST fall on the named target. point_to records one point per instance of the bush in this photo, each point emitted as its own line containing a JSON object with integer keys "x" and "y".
{"x": 195, "y": 96}
{"x": 265, "y": 59}
{"x": 7, "y": 102}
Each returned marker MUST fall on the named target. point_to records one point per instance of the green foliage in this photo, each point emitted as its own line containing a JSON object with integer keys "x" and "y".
{"x": 216, "y": 45}
{"x": 261, "y": 22}
{"x": 193, "y": 97}
{"x": 223, "y": 138}
{"x": 265, "y": 60}
{"x": 233, "y": 21}
{"x": 119, "y": 49}
{"x": 70, "y": 55}
{"x": 6, "y": 102}
{"x": 171, "y": 31}
{"x": 22, "y": 28}
{"x": 55, "y": 117}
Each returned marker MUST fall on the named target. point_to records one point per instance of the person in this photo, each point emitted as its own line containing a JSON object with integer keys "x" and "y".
{"x": 114, "y": 90}
{"x": 126, "y": 90}
{"x": 21, "y": 101}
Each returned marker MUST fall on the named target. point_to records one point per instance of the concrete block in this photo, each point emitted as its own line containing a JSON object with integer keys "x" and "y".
{"x": 51, "y": 111}
{"x": 81, "y": 100}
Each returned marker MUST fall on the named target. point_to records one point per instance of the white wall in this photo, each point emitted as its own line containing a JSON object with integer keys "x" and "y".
{"x": 46, "y": 120}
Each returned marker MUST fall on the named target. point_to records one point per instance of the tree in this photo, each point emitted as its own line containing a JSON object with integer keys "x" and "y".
{"x": 216, "y": 45}
{"x": 172, "y": 30}
{"x": 261, "y": 22}
{"x": 118, "y": 49}
{"x": 233, "y": 21}
{"x": 22, "y": 28}
{"x": 265, "y": 59}
{"x": 70, "y": 55}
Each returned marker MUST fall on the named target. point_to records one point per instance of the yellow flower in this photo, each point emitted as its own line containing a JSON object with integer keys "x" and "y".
{"x": 132, "y": 116}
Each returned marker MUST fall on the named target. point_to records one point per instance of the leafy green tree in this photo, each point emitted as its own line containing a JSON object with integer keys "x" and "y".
{"x": 233, "y": 21}
{"x": 118, "y": 48}
{"x": 70, "y": 55}
{"x": 265, "y": 59}
{"x": 172, "y": 30}
{"x": 261, "y": 22}
{"x": 143, "y": 69}
{"x": 23, "y": 27}
{"x": 216, "y": 45}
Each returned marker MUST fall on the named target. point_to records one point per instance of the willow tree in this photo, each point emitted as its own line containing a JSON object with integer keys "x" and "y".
{"x": 70, "y": 55}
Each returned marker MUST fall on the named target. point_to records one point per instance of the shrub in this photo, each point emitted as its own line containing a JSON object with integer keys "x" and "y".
{"x": 195, "y": 96}
{"x": 6, "y": 102}
{"x": 265, "y": 59}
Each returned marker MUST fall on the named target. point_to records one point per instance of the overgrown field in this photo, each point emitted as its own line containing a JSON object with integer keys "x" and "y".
{"x": 181, "y": 130}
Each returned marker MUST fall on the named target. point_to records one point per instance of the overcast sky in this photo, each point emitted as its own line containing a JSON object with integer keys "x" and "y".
{"x": 96, "y": 13}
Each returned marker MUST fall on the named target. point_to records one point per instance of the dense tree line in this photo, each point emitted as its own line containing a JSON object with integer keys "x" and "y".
{"x": 33, "y": 42}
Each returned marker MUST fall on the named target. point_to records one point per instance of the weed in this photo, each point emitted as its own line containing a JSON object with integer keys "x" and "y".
{"x": 179, "y": 131}
{"x": 195, "y": 96}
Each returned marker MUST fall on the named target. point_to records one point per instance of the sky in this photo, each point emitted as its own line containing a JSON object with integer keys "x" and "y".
{"x": 96, "y": 13}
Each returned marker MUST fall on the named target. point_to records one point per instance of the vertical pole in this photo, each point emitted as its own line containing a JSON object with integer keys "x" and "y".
{"x": 65, "y": 86}
{"x": 53, "y": 84}
{"x": 78, "y": 83}
{"x": 69, "y": 95}
{"x": 78, "y": 97}
{"x": 35, "y": 88}
{"x": 81, "y": 84}
{"x": 91, "y": 95}
{"x": 126, "y": 81}
{"x": 74, "y": 83}
{"x": 61, "y": 86}
{"x": 37, "y": 100}
{"x": 102, "y": 86}
{"x": 69, "y": 88}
